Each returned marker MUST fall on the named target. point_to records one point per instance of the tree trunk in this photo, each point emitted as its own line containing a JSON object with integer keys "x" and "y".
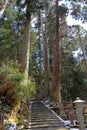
{"x": 26, "y": 48}
{"x": 45, "y": 53}
{"x": 82, "y": 49}
{"x": 56, "y": 89}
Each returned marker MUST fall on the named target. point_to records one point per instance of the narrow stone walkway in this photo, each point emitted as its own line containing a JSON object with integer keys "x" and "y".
{"x": 41, "y": 118}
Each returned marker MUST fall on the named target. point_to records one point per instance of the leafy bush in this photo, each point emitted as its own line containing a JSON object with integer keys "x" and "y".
{"x": 11, "y": 86}
{"x": 32, "y": 88}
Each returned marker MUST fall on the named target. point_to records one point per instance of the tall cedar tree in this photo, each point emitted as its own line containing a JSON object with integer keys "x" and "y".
{"x": 56, "y": 89}
{"x": 26, "y": 42}
{"x": 45, "y": 51}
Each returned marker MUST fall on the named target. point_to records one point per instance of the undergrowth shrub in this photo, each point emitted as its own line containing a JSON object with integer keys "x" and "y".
{"x": 13, "y": 92}
{"x": 11, "y": 83}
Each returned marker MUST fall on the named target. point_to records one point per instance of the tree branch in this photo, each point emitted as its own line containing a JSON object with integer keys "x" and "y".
{"x": 3, "y": 9}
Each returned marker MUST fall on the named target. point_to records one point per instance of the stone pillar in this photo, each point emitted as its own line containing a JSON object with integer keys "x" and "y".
{"x": 79, "y": 108}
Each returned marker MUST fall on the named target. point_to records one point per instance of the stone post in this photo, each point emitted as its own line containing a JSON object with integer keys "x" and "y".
{"x": 79, "y": 108}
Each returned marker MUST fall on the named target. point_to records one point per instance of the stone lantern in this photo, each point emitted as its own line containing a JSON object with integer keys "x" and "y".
{"x": 79, "y": 108}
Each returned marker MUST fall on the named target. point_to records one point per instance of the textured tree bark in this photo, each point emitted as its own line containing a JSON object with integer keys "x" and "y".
{"x": 26, "y": 48}
{"x": 56, "y": 89}
{"x": 45, "y": 53}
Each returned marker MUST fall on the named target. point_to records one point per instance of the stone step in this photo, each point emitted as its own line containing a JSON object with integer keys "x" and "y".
{"x": 41, "y": 118}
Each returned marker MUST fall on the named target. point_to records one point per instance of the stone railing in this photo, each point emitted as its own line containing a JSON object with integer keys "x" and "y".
{"x": 75, "y": 111}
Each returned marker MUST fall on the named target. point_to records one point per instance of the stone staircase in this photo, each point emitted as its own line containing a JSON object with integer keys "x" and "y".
{"x": 42, "y": 118}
